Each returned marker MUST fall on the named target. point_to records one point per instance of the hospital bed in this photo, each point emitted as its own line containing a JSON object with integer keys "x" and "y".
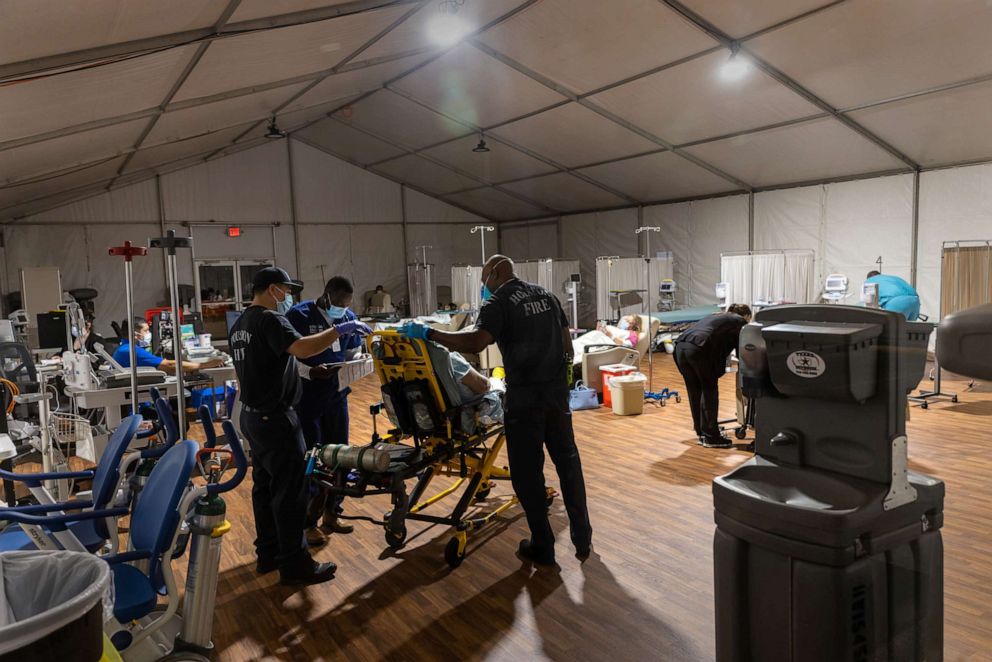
{"x": 434, "y": 433}
{"x": 685, "y": 315}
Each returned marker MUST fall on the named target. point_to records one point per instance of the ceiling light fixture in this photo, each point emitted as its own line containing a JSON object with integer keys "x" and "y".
{"x": 481, "y": 147}
{"x": 736, "y": 66}
{"x": 446, "y": 28}
{"x": 274, "y": 132}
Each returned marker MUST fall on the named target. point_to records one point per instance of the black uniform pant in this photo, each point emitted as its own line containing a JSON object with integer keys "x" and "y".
{"x": 324, "y": 420}
{"x": 701, "y": 370}
{"x": 279, "y": 492}
{"x": 535, "y": 419}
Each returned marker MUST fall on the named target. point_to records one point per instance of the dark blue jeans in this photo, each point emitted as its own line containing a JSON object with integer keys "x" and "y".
{"x": 279, "y": 490}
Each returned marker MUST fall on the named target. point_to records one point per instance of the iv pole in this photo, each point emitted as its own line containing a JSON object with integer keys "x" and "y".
{"x": 170, "y": 242}
{"x": 128, "y": 252}
{"x": 482, "y": 230}
{"x": 422, "y": 296}
{"x": 647, "y": 267}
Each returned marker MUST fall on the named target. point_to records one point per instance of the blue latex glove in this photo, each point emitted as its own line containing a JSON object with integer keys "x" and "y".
{"x": 352, "y": 328}
{"x": 414, "y": 330}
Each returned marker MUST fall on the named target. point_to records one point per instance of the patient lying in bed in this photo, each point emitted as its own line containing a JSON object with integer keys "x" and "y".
{"x": 624, "y": 334}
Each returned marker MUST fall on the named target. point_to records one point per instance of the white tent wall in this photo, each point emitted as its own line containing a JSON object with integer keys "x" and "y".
{"x": 533, "y": 240}
{"x": 588, "y": 236}
{"x": 697, "y": 233}
{"x": 955, "y": 204}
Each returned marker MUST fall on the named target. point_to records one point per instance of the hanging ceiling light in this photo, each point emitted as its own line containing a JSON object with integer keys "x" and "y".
{"x": 446, "y": 28}
{"x": 736, "y": 66}
{"x": 274, "y": 132}
{"x": 481, "y": 147}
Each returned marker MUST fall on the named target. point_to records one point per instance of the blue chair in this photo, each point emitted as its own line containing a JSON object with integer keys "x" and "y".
{"x": 154, "y": 526}
{"x": 91, "y": 533}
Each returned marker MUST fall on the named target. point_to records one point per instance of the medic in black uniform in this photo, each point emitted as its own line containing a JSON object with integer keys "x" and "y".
{"x": 528, "y": 324}
{"x": 701, "y": 353}
{"x": 265, "y": 347}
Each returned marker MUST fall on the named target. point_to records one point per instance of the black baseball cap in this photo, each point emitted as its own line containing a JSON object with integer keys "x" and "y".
{"x": 274, "y": 276}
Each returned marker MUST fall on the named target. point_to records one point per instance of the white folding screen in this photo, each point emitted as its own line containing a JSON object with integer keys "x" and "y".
{"x": 768, "y": 276}
{"x": 466, "y": 284}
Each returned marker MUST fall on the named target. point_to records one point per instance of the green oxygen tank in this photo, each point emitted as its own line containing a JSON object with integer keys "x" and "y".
{"x": 208, "y": 524}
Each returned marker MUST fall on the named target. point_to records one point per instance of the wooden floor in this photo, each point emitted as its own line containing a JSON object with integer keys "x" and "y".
{"x": 645, "y": 594}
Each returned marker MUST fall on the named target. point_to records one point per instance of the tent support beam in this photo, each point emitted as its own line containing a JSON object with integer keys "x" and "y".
{"x": 728, "y": 42}
{"x": 520, "y": 148}
{"x": 408, "y": 152}
{"x": 26, "y": 68}
{"x": 225, "y": 16}
{"x": 546, "y": 82}
{"x": 914, "y": 258}
{"x": 351, "y": 56}
{"x": 200, "y": 101}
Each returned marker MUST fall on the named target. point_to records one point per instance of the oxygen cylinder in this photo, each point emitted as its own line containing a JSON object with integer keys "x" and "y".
{"x": 364, "y": 458}
{"x": 208, "y": 525}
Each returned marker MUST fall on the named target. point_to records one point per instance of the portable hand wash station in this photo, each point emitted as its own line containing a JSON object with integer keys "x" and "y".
{"x": 827, "y": 547}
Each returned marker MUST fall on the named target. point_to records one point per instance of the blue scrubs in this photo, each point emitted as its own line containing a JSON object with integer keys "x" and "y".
{"x": 144, "y": 358}
{"x": 897, "y": 295}
{"x": 323, "y": 407}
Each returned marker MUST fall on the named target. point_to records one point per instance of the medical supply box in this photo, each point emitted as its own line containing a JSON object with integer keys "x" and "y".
{"x": 610, "y": 371}
{"x": 627, "y": 393}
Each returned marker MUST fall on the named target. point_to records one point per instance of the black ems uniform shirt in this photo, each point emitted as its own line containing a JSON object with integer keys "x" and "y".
{"x": 527, "y": 321}
{"x": 267, "y": 373}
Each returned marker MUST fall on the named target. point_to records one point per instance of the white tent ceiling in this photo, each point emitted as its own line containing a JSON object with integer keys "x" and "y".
{"x": 584, "y": 104}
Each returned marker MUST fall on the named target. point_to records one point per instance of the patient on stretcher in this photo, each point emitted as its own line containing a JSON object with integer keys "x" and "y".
{"x": 472, "y": 383}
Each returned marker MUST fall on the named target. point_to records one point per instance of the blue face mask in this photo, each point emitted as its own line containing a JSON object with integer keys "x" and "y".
{"x": 623, "y": 325}
{"x": 336, "y": 312}
{"x": 485, "y": 293}
{"x": 282, "y": 307}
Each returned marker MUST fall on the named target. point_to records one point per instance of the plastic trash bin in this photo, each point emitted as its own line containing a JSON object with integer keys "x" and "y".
{"x": 52, "y": 606}
{"x": 628, "y": 394}
{"x": 610, "y": 371}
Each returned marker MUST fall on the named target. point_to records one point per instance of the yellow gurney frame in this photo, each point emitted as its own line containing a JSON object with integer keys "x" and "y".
{"x": 439, "y": 447}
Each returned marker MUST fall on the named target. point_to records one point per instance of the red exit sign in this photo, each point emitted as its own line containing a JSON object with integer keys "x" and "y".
{"x": 233, "y": 231}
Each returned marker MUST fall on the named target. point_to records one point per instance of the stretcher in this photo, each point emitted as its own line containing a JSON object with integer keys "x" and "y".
{"x": 434, "y": 433}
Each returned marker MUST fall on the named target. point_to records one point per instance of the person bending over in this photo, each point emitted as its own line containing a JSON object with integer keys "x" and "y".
{"x": 896, "y": 294}
{"x": 701, "y": 354}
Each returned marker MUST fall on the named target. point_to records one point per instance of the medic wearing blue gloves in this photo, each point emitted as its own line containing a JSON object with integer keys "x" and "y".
{"x": 896, "y": 295}
{"x": 528, "y": 324}
{"x": 323, "y": 405}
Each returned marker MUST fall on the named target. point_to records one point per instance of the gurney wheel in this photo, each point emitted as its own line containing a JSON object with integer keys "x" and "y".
{"x": 453, "y": 553}
{"x": 740, "y": 432}
{"x": 483, "y": 494}
{"x": 678, "y": 399}
{"x": 395, "y": 539}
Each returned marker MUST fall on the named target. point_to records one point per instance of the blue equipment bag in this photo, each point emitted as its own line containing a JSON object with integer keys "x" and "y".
{"x": 582, "y": 397}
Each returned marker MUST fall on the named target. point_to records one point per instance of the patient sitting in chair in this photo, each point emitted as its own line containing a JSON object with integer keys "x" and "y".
{"x": 625, "y": 334}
